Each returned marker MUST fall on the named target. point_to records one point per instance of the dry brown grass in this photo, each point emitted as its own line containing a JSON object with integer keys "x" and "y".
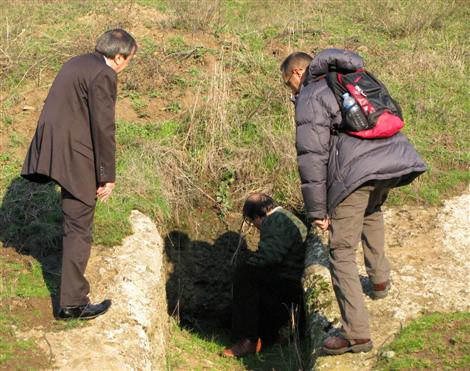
{"x": 212, "y": 68}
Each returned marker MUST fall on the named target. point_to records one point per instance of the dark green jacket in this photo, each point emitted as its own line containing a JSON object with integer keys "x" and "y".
{"x": 281, "y": 246}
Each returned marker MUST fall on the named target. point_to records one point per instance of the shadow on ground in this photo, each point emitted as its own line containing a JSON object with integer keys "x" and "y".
{"x": 31, "y": 223}
{"x": 199, "y": 281}
{"x": 199, "y": 295}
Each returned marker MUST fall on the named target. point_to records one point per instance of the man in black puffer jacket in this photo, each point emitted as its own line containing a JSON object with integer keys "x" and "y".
{"x": 345, "y": 180}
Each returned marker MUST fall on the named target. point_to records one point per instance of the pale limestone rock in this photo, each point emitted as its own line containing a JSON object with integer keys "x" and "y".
{"x": 429, "y": 252}
{"x": 132, "y": 335}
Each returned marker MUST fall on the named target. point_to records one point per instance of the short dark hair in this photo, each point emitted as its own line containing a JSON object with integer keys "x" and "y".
{"x": 114, "y": 42}
{"x": 297, "y": 59}
{"x": 257, "y": 204}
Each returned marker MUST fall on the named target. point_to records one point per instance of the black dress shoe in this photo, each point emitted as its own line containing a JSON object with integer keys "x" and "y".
{"x": 85, "y": 311}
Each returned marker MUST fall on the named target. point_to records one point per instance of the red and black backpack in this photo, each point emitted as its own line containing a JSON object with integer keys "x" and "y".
{"x": 382, "y": 112}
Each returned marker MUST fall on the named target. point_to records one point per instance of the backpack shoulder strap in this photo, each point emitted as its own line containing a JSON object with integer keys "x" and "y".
{"x": 332, "y": 79}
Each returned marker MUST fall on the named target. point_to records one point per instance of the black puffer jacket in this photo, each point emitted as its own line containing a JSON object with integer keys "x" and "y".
{"x": 333, "y": 166}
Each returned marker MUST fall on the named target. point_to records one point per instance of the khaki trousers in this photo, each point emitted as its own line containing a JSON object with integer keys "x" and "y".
{"x": 76, "y": 247}
{"x": 358, "y": 218}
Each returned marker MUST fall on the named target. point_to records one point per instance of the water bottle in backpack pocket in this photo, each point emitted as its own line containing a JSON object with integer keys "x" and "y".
{"x": 360, "y": 92}
{"x": 355, "y": 118}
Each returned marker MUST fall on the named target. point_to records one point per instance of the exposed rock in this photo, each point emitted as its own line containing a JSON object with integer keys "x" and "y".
{"x": 428, "y": 249}
{"x": 388, "y": 354}
{"x": 321, "y": 306}
{"x": 132, "y": 334}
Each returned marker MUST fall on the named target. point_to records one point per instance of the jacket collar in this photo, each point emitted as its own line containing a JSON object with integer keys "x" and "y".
{"x": 99, "y": 56}
{"x": 294, "y": 97}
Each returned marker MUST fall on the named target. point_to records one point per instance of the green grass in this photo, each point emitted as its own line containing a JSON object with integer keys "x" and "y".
{"x": 242, "y": 118}
{"x": 9, "y": 349}
{"x": 190, "y": 350}
{"x": 186, "y": 347}
{"x": 16, "y": 353}
{"x": 30, "y": 215}
{"x": 138, "y": 185}
{"x": 438, "y": 341}
{"x": 138, "y": 102}
{"x": 223, "y": 106}
{"x": 24, "y": 353}
{"x": 22, "y": 280}
{"x": 49, "y": 46}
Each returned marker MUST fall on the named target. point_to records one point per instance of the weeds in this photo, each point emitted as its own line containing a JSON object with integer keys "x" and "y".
{"x": 8, "y": 120}
{"x": 437, "y": 341}
{"x": 237, "y": 115}
{"x": 213, "y": 69}
{"x": 173, "y": 108}
{"x": 22, "y": 280}
{"x": 195, "y": 15}
{"x": 138, "y": 103}
{"x": 408, "y": 18}
{"x": 223, "y": 192}
{"x": 30, "y": 217}
{"x": 189, "y": 349}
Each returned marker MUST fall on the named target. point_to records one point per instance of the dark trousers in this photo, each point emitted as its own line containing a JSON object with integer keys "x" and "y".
{"x": 76, "y": 245}
{"x": 263, "y": 302}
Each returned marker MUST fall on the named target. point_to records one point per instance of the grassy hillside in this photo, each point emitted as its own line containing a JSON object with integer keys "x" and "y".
{"x": 202, "y": 115}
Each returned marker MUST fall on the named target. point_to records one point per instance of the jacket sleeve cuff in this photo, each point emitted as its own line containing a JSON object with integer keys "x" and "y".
{"x": 107, "y": 175}
{"x": 313, "y": 215}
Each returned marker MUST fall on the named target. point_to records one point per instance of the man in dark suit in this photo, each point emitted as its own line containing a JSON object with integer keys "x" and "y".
{"x": 74, "y": 146}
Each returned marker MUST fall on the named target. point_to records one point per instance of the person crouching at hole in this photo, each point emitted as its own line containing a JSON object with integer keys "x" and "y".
{"x": 267, "y": 289}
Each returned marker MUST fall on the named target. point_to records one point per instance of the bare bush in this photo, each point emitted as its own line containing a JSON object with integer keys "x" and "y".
{"x": 196, "y": 15}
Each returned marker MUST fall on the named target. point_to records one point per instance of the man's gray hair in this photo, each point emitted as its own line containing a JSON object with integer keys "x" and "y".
{"x": 295, "y": 60}
{"x": 114, "y": 42}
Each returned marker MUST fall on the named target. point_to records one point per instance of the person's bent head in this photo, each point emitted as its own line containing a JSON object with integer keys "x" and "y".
{"x": 256, "y": 207}
{"x": 294, "y": 70}
{"x": 118, "y": 47}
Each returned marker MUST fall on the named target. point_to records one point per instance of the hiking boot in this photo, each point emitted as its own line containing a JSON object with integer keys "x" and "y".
{"x": 243, "y": 348}
{"x": 335, "y": 345}
{"x": 380, "y": 290}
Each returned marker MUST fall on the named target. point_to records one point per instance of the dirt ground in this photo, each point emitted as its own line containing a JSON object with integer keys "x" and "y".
{"x": 132, "y": 334}
{"x": 34, "y": 313}
{"x": 428, "y": 249}
{"x": 23, "y": 314}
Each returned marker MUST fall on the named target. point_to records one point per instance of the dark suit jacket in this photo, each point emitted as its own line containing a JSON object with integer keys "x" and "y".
{"x": 74, "y": 143}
